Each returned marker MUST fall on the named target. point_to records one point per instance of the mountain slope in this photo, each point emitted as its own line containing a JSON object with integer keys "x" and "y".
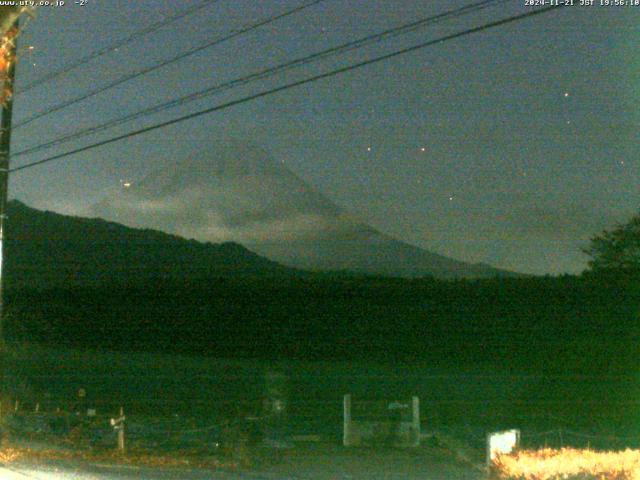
{"x": 238, "y": 193}
{"x": 46, "y": 249}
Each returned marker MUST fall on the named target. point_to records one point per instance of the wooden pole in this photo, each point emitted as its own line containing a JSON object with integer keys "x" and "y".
{"x": 346, "y": 428}
{"x": 415, "y": 424}
{"x": 121, "y": 445}
{"x": 5, "y": 148}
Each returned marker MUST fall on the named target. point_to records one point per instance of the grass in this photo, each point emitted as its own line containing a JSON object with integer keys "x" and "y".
{"x": 164, "y": 385}
{"x": 568, "y": 463}
{"x": 192, "y": 392}
{"x": 12, "y": 454}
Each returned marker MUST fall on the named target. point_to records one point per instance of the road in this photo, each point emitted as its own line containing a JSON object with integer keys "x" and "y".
{"x": 98, "y": 472}
{"x": 303, "y": 463}
{"x": 93, "y": 472}
{"x": 114, "y": 472}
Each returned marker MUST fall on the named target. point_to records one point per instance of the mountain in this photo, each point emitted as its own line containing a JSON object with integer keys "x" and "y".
{"x": 238, "y": 193}
{"x": 49, "y": 249}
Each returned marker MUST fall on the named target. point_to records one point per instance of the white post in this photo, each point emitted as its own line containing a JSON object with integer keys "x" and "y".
{"x": 121, "y": 432}
{"x": 346, "y": 428}
{"x": 415, "y": 424}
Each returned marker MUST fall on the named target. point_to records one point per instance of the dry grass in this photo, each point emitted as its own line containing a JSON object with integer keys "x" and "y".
{"x": 10, "y": 454}
{"x": 568, "y": 463}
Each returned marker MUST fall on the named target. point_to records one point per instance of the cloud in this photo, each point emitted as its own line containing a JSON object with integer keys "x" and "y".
{"x": 232, "y": 211}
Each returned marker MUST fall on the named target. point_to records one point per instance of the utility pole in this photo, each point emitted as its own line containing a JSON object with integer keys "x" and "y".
{"x": 10, "y": 40}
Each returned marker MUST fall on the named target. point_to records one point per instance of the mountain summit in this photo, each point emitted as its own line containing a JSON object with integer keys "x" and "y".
{"x": 240, "y": 194}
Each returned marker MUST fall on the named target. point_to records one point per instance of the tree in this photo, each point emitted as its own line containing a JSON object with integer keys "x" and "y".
{"x": 617, "y": 250}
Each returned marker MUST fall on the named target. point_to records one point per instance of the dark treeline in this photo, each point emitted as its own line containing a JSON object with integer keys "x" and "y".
{"x": 544, "y": 322}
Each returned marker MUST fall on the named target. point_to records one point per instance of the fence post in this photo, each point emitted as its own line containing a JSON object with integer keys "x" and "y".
{"x": 346, "y": 428}
{"x": 118, "y": 426}
{"x": 121, "y": 432}
{"x": 415, "y": 420}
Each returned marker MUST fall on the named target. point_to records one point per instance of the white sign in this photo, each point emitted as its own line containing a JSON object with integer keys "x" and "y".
{"x": 501, "y": 442}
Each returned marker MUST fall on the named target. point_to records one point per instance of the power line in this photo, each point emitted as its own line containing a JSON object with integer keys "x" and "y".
{"x": 265, "y": 73}
{"x": 98, "y": 53}
{"x": 298, "y": 83}
{"x": 164, "y": 63}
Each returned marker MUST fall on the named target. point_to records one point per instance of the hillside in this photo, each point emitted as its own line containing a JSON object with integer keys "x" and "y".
{"x": 47, "y": 249}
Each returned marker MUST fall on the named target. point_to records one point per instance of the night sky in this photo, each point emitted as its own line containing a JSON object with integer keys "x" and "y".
{"x": 511, "y": 146}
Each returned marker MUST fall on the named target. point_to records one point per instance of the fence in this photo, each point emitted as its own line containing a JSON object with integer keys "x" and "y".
{"x": 93, "y": 428}
{"x": 171, "y": 402}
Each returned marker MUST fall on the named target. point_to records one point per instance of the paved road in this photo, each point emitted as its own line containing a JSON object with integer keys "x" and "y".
{"x": 315, "y": 462}
{"x": 107, "y": 472}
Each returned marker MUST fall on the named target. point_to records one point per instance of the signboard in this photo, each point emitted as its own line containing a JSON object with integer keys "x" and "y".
{"x": 501, "y": 442}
